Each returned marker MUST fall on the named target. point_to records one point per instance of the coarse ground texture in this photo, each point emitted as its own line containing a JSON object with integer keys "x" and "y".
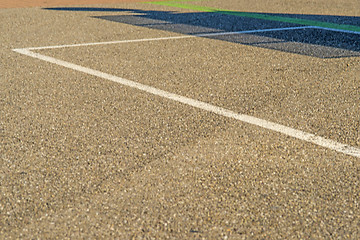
{"x": 83, "y": 157}
{"x": 49, "y": 3}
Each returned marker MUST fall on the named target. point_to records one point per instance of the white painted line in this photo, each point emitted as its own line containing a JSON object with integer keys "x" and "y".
{"x": 111, "y": 42}
{"x": 336, "y": 30}
{"x": 187, "y": 36}
{"x": 308, "y": 137}
{"x": 252, "y": 31}
{"x": 166, "y": 38}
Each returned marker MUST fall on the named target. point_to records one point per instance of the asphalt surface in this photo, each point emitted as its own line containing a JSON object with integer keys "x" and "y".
{"x": 83, "y": 157}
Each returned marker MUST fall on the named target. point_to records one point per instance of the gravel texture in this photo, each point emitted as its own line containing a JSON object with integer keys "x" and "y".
{"x": 82, "y": 157}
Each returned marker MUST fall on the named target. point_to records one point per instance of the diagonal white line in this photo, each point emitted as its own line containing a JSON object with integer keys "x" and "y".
{"x": 111, "y": 42}
{"x": 252, "y": 31}
{"x": 336, "y": 30}
{"x": 167, "y": 38}
{"x": 308, "y": 137}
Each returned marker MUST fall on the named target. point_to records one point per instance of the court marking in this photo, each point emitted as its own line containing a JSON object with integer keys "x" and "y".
{"x": 288, "y": 131}
{"x": 168, "y": 38}
{"x": 322, "y": 25}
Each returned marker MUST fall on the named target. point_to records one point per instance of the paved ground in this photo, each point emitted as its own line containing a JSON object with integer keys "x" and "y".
{"x": 46, "y": 3}
{"x": 84, "y": 157}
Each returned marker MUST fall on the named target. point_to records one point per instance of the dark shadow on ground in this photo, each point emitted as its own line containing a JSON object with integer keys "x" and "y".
{"x": 310, "y": 41}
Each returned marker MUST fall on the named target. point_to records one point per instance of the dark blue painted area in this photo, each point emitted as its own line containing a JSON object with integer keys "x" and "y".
{"x": 312, "y": 42}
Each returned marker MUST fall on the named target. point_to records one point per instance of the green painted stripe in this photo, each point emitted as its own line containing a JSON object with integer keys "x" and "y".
{"x": 260, "y": 16}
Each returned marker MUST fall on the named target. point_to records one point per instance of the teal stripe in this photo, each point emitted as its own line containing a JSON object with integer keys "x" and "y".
{"x": 260, "y": 16}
